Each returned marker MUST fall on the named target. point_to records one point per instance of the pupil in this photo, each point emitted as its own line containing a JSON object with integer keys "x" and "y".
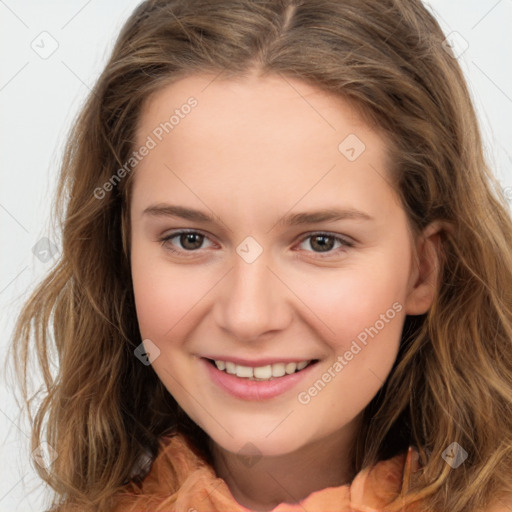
{"x": 323, "y": 246}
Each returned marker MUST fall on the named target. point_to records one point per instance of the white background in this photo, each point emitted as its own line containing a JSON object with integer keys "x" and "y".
{"x": 40, "y": 97}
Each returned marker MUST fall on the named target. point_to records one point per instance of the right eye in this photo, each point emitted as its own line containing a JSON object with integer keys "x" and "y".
{"x": 189, "y": 240}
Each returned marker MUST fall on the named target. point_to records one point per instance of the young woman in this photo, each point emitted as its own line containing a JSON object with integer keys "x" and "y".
{"x": 286, "y": 277}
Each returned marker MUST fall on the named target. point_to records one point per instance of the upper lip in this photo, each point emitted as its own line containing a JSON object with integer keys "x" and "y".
{"x": 258, "y": 362}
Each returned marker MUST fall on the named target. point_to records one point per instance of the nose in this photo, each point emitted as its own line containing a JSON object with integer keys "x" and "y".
{"x": 253, "y": 300}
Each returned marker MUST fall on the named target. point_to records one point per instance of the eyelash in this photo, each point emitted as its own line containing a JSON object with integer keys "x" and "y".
{"x": 346, "y": 244}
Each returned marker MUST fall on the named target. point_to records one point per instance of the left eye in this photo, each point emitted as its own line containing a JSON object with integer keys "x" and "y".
{"x": 325, "y": 242}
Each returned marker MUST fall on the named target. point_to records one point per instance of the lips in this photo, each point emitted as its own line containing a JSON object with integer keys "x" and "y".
{"x": 256, "y": 389}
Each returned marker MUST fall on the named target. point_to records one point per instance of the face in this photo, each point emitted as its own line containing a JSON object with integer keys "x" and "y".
{"x": 254, "y": 285}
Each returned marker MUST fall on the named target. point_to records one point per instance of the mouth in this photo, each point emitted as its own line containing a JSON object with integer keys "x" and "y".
{"x": 264, "y": 380}
{"x": 263, "y": 373}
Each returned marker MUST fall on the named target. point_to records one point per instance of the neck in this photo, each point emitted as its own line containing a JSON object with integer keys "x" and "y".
{"x": 263, "y": 483}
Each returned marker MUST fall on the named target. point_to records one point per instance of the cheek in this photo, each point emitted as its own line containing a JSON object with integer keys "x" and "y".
{"x": 164, "y": 292}
{"x": 348, "y": 302}
{"x": 365, "y": 316}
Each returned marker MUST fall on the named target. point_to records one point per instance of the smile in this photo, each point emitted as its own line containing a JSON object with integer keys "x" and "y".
{"x": 260, "y": 373}
{"x": 264, "y": 381}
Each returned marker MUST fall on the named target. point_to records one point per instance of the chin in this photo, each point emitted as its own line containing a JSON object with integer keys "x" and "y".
{"x": 258, "y": 445}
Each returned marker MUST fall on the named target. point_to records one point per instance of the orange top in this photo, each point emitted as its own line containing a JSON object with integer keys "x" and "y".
{"x": 178, "y": 466}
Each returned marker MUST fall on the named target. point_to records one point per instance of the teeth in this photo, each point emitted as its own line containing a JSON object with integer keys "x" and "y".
{"x": 221, "y": 365}
{"x": 290, "y": 368}
{"x": 231, "y": 367}
{"x": 268, "y": 372}
{"x": 244, "y": 371}
{"x": 263, "y": 372}
{"x": 278, "y": 370}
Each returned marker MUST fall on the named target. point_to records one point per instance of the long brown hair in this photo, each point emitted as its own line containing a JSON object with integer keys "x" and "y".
{"x": 102, "y": 410}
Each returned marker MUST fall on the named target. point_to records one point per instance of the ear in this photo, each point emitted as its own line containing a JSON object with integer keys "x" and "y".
{"x": 425, "y": 269}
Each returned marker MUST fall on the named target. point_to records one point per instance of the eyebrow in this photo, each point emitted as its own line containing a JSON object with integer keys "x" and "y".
{"x": 293, "y": 219}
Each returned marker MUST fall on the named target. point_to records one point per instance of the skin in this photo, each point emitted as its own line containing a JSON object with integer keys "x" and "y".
{"x": 253, "y": 150}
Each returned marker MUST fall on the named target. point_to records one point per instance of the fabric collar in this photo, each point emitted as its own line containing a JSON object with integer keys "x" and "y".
{"x": 179, "y": 466}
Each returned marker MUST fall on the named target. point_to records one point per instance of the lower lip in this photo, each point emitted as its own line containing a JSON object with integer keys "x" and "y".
{"x": 252, "y": 389}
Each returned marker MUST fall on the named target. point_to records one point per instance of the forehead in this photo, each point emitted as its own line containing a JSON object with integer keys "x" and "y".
{"x": 257, "y": 106}
{"x": 255, "y": 134}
